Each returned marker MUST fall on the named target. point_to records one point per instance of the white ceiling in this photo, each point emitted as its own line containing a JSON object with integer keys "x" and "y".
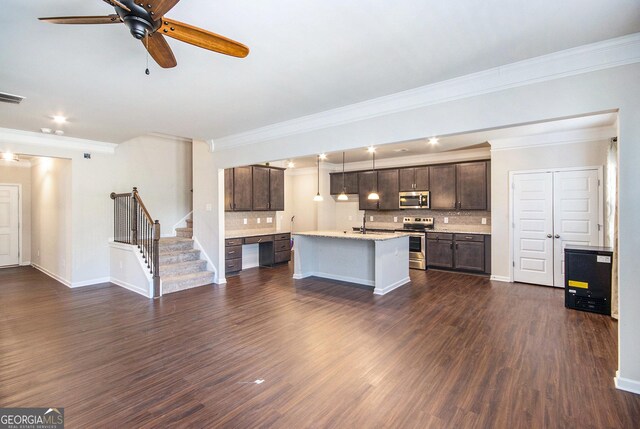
{"x": 306, "y": 56}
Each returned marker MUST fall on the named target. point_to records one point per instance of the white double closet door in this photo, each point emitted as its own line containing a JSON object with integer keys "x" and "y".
{"x": 550, "y": 210}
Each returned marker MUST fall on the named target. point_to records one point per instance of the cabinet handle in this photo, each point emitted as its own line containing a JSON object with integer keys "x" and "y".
{"x": 469, "y": 238}
{"x": 233, "y": 251}
{"x": 456, "y": 245}
{"x": 451, "y": 246}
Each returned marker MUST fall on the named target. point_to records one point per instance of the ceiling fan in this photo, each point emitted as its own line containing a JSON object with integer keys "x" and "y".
{"x": 146, "y": 22}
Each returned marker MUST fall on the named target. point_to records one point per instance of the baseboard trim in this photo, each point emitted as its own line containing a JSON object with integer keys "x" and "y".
{"x": 396, "y": 285}
{"x": 25, "y": 263}
{"x": 626, "y": 384}
{"x": 52, "y": 275}
{"x": 131, "y": 287}
{"x": 91, "y": 282}
{"x": 500, "y": 279}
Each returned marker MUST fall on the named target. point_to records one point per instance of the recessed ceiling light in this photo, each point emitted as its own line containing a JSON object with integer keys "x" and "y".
{"x": 323, "y": 156}
{"x": 371, "y": 149}
{"x": 58, "y": 119}
{"x": 59, "y": 132}
{"x": 8, "y": 156}
{"x": 433, "y": 140}
{"x": 46, "y": 130}
{"x": 291, "y": 164}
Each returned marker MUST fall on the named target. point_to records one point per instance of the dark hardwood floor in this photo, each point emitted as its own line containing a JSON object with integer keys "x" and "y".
{"x": 446, "y": 351}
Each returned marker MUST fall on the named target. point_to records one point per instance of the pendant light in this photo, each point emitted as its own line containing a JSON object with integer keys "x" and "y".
{"x": 318, "y": 197}
{"x": 343, "y": 194}
{"x": 374, "y": 195}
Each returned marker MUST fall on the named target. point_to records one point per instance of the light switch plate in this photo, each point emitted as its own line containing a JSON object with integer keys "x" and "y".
{"x": 370, "y": 218}
{"x": 244, "y": 220}
{"x": 395, "y": 218}
{"x": 446, "y": 220}
{"x": 484, "y": 220}
{"x": 258, "y": 220}
{"x": 269, "y": 220}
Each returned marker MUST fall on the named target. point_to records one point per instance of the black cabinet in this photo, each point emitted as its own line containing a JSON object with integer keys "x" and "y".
{"x": 442, "y": 187}
{"x": 367, "y": 184}
{"x": 254, "y": 188}
{"x": 471, "y": 185}
{"x": 414, "y": 179}
{"x": 462, "y": 252}
{"x": 388, "y": 189}
{"x": 350, "y": 183}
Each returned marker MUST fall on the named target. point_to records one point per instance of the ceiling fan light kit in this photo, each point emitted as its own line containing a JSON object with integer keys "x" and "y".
{"x": 145, "y": 20}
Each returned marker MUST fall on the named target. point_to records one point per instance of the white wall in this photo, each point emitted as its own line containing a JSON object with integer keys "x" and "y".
{"x": 503, "y": 161}
{"x": 20, "y": 173}
{"x": 536, "y": 101}
{"x": 51, "y": 238}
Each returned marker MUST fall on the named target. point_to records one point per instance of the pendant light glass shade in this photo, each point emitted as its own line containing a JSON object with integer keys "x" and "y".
{"x": 343, "y": 194}
{"x": 318, "y": 197}
{"x": 374, "y": 194}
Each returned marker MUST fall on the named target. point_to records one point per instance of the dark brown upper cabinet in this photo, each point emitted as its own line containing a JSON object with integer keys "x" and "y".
{"x": 471, "y": 185}
{"x": 260, "y": 188}
{"x": 276, "y": 189}
{"x": 442, "y": 187}
{"x": 388, "y": 189}
{"x": 242, "y": 188}
{"x": 254, "y": 188}
{"x": 367, "y": 184}
{"x": 414, "y": 179}
{"x": 228, "y": 189}
{"x": 350, "y": 183}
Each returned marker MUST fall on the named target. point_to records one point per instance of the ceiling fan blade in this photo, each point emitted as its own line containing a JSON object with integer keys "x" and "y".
{"x": 117, "y": 3}
{"x": 159, "y": 7}
{"x": 159, "y": 50}
{"x": 108, "y": 19}
{"x": 202, "y": 38}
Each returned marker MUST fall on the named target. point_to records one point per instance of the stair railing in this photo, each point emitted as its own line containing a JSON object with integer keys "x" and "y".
{"x": 132, "y": 224}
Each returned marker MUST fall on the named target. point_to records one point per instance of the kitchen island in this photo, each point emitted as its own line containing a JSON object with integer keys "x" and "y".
{"x": 372, "y": 259}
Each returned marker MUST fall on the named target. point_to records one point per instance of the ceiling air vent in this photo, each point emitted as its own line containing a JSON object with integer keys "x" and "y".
{"x": 10, "y": 98}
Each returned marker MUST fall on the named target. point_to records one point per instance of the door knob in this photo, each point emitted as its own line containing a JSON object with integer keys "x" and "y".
{"x": 557, "y": 236}
{"x": 549, "y": 235}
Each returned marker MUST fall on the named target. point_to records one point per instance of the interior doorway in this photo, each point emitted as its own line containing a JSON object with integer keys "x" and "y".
{"x": 9, "y": 225}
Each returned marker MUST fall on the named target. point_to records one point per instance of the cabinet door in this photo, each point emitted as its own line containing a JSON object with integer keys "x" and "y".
{"x": 440, "y": 253}
{"x": 260, "y": 188}
{"x": 388, "y": 189}
{"x": 351, "y": 182}
{"x": 469, "y": 255}
{"x": 366, "y": 185}
{"x": 228, "y": 189}
{"x": 242, "y": 186}
{"x": 276, "y": 189}
{"x": 407, "y": 179}
{"x": 471, "y": 180}
{"x": 442, "y": 182}
{"x": 422, "y": 178}
{"x": 335, "y": 183}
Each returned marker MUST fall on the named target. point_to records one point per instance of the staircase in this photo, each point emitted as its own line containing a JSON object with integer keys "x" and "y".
{"x": 180, "y": 264}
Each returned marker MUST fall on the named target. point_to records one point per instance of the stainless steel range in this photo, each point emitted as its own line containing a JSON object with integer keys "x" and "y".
{"x": 417, "y": 227}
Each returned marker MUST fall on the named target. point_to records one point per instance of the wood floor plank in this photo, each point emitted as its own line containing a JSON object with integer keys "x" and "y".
{"x": 446, "y": 350}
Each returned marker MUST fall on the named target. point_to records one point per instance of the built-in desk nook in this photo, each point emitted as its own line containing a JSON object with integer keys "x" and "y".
{"x": 272, "y": 249}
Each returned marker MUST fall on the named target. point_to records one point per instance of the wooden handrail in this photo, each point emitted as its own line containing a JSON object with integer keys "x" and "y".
{"x": 142, "y": 206}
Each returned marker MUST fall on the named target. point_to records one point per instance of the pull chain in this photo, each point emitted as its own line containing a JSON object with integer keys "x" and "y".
{"x": 147, "y": 72}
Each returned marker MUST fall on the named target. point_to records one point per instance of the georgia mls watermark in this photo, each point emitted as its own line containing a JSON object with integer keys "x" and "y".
{"x": 31, "y": 418}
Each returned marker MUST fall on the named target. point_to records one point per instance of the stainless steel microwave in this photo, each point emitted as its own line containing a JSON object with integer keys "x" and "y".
{"x": 414, "y": 200}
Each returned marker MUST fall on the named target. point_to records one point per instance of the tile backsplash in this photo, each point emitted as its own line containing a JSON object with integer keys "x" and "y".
{"x": 234, "y": 222}
{"x": 467, "y": 219}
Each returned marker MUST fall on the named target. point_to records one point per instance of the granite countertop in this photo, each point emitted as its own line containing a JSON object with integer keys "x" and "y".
{"x": 375, "y": 236}
{"x": 251, "y": 233}
{"x": 454, "y": 230}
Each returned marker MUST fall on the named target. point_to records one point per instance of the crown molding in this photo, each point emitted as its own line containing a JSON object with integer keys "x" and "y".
{"x": 11, "y": 136}
{"x": 13, "y": 164}
{"x": 582, "y": 59}
{"x": 552, "y": 139}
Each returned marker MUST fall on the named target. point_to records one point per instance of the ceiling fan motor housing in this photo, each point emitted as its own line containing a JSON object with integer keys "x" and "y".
{"x": 139, "y": 21}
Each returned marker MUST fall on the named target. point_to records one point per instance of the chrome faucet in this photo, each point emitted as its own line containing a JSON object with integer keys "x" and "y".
{"x": 364, "y": 224}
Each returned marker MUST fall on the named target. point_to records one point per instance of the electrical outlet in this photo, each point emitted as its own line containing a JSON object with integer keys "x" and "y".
{"x": 269, "y": 220}
{"x": 208, "y": 207}
{"x": 258, "y": 220}
{"x": 370, "y": 218}
{"x": 244, "y": 220}
{"x": 395, "y": 218}
{"x": 446, "y": 220}
{"x": 484, "y": 221}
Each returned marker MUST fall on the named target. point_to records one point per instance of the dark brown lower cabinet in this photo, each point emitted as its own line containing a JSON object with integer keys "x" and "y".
{"x": 233, "y": 255}
{"x": 463, "y": 252}
{"x": 272, "y": 249}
